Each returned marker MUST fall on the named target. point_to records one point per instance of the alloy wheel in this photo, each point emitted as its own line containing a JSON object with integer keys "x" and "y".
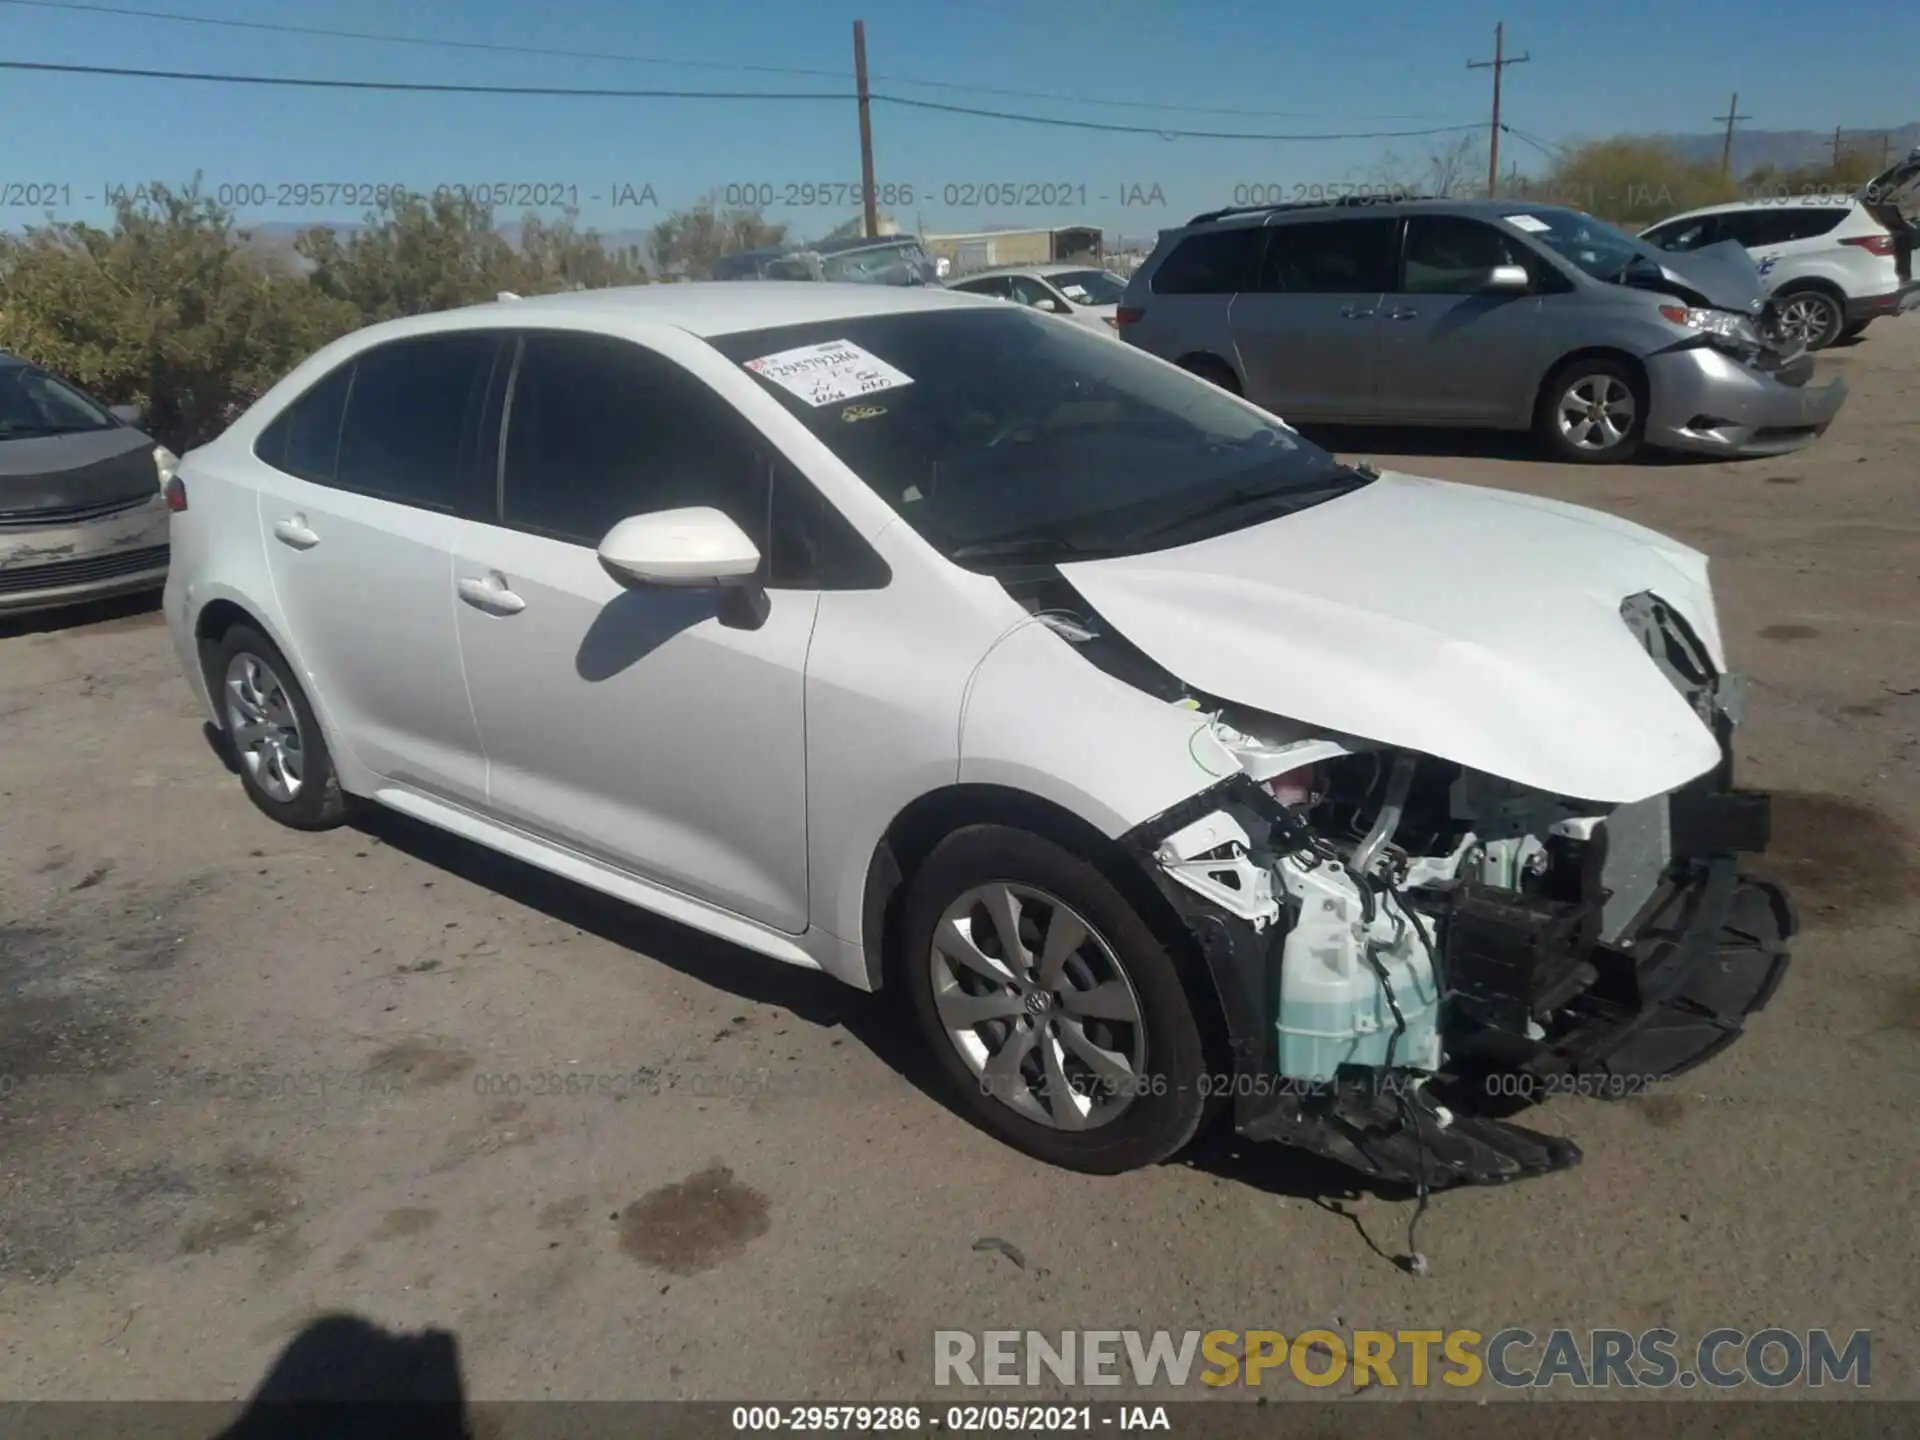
{"x": 1596, "y": 412}
{"x": 1038, "y": 1006}
{"x": 265, "y": 727}
{"x": 1806, "y": 319}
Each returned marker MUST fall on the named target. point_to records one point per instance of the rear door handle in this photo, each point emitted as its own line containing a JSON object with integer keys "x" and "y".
{"x": 1399, "y": 314}
{"x": 1354, "y": 312}
{"x": 490, "y": 593}
{"x": 294, "y": 532}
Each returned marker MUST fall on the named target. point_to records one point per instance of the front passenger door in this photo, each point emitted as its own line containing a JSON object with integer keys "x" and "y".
{"x": 633, "y": 725}
{"x": 1451, "y": 350}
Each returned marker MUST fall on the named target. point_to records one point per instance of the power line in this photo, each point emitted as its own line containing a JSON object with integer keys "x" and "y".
{"x": 623, "y": 93}
{"x": 490, "y": 47}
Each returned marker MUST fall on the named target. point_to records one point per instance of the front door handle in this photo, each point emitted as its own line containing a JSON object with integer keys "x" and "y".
{"x": 490, "y": 593}
{"x": 1401, "y": 314}
{"x": 294, "y": 532}
{"x": 1354, "y": 312}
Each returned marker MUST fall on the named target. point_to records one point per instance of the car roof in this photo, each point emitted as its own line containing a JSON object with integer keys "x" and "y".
{"x": 707, "y": 308}
{"x": 1045, "y": 267}
{"x": 1836, "y": 200}
{"x": 1251, "y": 215}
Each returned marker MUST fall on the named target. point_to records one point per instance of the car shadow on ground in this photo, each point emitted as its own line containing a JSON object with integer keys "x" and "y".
{"x": 875, "y": 1020}
{"x": 122, "y": 612}
{"x": 345, "y": 1377}
{"x": 878, "y": 1021}
{"x": 1517, "y": 445}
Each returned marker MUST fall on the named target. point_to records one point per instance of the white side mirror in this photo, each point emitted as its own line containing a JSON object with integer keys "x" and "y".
{"x": 694, "y": 546}
{"x": 1508, "y": 277}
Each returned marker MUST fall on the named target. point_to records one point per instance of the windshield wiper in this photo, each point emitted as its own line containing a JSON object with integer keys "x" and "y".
{"x": 1340, "y": 478}
{"x": 1025, "y": 547}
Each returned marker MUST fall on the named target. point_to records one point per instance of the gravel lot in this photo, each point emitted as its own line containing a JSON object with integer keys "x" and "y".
{"x": 248, "y": 1076}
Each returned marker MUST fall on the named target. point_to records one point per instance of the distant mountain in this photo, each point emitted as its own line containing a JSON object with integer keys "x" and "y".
{"x": 1787, "y": 149}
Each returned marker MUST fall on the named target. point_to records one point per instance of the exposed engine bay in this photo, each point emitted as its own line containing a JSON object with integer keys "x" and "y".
{"x": 1407, "y": 951}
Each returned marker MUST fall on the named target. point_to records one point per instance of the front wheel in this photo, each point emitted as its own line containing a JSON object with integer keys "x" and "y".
{"x": 1593, "y": 412}
{"x": 1057, "y": 1017}
{"x": 1811, "y": 318}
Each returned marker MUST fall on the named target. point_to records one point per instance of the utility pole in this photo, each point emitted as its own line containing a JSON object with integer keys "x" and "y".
{"x": 1836, "y": 149}
{"x": 1499, "y": 62}
{"x": 1726, "y": 148}
{"x": 867, "y": 198}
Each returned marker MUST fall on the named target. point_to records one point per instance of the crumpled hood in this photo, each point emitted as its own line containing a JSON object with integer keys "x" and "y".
{"x": 1470, "y": 624}
{"x": 1723, "y": 276}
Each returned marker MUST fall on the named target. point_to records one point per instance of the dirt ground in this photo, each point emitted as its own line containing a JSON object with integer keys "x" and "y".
{"x": 249, "y": 1076}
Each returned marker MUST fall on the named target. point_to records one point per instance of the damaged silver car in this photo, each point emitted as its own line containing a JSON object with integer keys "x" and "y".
{"x": 83, "y": 515}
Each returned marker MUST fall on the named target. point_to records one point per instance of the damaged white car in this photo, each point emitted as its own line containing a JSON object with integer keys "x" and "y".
{"x": 1174, "y": 770}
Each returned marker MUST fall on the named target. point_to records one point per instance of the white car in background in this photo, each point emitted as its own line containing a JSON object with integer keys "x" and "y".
{"x": 1170, "y": 767}
{"x": 1833, "y": 263}
{"x": 1082, "y": 293}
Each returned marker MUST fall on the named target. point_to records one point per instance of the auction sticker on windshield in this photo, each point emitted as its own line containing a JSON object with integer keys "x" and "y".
{"x": 1528, "y": 222}
{"x": 829, "y": 372}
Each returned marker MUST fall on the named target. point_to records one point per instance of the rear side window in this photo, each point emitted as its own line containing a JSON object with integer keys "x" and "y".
{"x": 411, "y": 412}
{"x": 997, "y": 286}
{"x": 1780, "y": 225}
{"x": 1213, "y": 262}
{"x": 1330, "y": 257}
{"x": 305, "y": 439}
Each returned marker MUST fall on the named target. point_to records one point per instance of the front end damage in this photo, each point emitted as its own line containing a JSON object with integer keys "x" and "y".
{"x": 1406, "y": 950}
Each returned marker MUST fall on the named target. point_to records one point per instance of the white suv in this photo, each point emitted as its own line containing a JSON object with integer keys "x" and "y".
{"x": 1165, "y": 764}
{"x": 1833, "y": 263}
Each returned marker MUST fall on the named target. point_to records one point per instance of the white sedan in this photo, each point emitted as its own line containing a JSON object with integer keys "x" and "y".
{"x": 1169, "y": 767}
{"x": 1084, "y": 294}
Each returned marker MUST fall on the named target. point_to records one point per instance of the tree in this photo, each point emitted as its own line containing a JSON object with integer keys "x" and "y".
{"x": 1630, "y": 180}
{"x": 416, "y": 256}
{"x": 165, "y": 311}
{"x": 686, "y": 244}
{"x": 1447, "y": 173}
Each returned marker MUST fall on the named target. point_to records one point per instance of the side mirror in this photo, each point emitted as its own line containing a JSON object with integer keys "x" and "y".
{"x": 696, "y": 546}
{"x": 127, "y": 414}
{"x": 1507, "y": 279}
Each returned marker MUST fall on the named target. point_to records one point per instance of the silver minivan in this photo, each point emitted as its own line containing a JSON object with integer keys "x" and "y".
{"x": 1479, "y": 313}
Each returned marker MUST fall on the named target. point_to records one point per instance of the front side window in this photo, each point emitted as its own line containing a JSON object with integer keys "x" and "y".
{"x": 1329, "y": 257}
{"x": 998, "y": 434}
{"x": 1452, "y": 255}
{"x": 1679, "y": 236}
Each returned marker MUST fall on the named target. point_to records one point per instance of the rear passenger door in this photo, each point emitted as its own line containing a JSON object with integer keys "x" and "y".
{"x": 1453, "y": 351}
{"x": 1188, "y": 297}
{"x": 360, "y": 483}
{"x": 1308, "y": 331}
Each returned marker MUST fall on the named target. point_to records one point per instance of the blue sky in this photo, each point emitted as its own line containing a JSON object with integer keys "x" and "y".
{"x": 1630, "y": 65}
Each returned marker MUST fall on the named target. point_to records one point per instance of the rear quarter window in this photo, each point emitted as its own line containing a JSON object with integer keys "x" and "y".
{"x": 1212, "y": 262}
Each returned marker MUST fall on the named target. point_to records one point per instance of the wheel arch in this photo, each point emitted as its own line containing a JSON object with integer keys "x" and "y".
{"x": 927, "y": 820}
{"x": 1635, "y": 363}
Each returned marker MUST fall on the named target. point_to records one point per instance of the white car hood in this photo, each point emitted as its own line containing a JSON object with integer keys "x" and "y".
{"x": 1470, "y": 624}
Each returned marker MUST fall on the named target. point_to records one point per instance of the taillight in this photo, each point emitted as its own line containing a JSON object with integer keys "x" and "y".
{"x": 1296, "y": 788}
{"x": 176, "y": 493}
{"x": 1129, "y": 315}
{"x": 1872, "y": 244}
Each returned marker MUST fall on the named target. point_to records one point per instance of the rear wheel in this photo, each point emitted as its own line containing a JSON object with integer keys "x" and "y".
{"x": 1057, "y": 1017}
{"x": 1212, "y": 368}
{"x": 1812, "y": 318}
{"x": 1853, "y": 331}
{"x": 1593, "y": 411}
{"x": 275, "y": 739}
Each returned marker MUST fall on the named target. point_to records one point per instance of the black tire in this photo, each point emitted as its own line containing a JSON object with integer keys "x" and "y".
{"x": 1602, "y": 378}
{"x": 1853, "y": 331}
{"x": 1212, "y": 368}
{"x": 318, "y": 803}
{"x": 1824, "y": 315}
{"x": 1165, "y": 1106}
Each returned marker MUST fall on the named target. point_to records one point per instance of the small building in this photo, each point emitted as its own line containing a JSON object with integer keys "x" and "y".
{"x": 990, "y": 249}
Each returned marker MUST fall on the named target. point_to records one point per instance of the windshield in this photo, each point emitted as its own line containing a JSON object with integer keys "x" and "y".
{"x": 1090, "y": 287}
{"x": 1595, "y": 246}
{"x": 996, "y": 432}
{"x": 32, "y": 402}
